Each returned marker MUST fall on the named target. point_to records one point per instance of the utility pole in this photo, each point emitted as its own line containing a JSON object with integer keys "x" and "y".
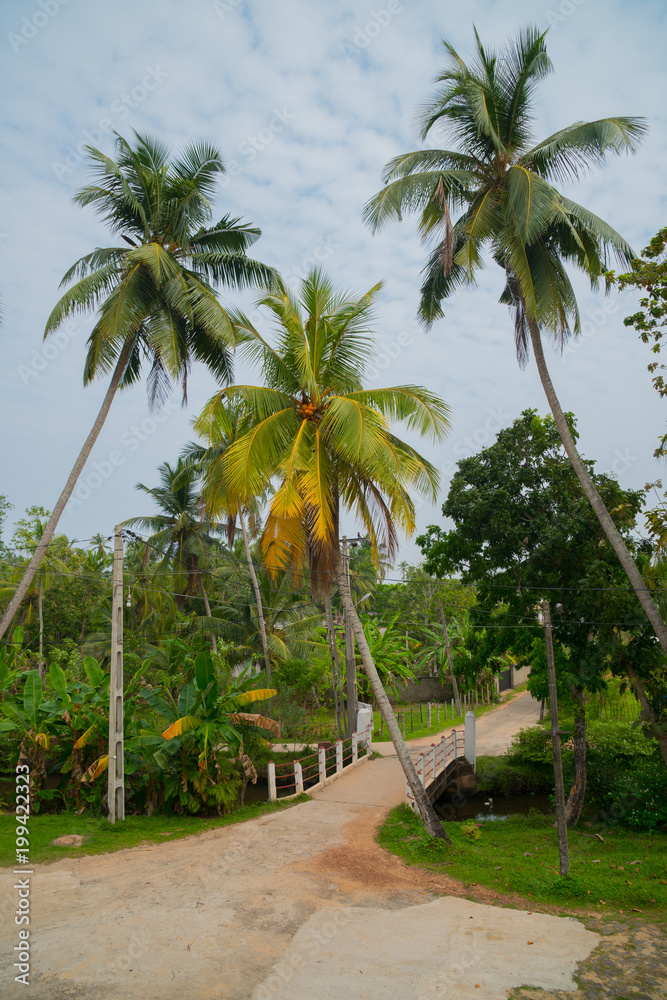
{"x": 350, "y": 665}
{"x": 563, "y": 853}
{"x": 116, "y": 770}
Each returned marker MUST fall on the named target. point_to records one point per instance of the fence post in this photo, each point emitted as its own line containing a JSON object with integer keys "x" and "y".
{"x": 428, "y": 714}
{"x": 298, "y": 777}
{"x": 323, "y": 764}
{"x": 339, "y": 756}
{"x": 355, "y": 748}
{"x": 403, "y": 723}
{"x": 437, "y": 713}
{"x": 452, "y": 709}
{"x": 272, "y": 782}
{"x": 469, "y": 741}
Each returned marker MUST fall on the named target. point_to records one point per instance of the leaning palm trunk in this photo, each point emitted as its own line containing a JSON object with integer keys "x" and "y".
{"x": 431, "y": 822}
{"x": 61, "y": 503}
{"x": 258, "y": 596}
{"x": 594, "y": 498}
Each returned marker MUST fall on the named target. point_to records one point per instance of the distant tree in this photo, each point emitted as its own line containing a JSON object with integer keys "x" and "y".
{"x": 502, "y": 182}
{"x": 154, "y": 296}
{"x": 524, "y": 531}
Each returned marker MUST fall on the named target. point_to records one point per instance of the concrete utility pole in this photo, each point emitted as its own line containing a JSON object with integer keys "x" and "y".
{"x": 350, "y": 665}
{"x": 563, "y": 852}
{"x": 116, "y": 771}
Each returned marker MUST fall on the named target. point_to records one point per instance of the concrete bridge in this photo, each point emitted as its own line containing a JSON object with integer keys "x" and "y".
{"x": 448, "y": 763}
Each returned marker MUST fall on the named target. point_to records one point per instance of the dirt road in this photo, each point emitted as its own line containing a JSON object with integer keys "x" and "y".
{"x": 300, "y": 904}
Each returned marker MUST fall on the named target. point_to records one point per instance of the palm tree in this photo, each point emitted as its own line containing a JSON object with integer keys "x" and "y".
{"x": 28, "y": 536}
{"x": 154, "y": 296}
{"x": 326, "y": 440}
{"x": 502, "y": 185}
{"x": 222, "y": 428}
{"x": 179, "y": 532}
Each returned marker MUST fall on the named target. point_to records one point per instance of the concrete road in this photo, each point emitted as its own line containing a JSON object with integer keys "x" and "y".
{"x": 298, "y": 904}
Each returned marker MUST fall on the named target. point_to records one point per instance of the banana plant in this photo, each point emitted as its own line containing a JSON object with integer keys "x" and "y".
{"x": 25, "y": 714}
{"x": 189, "y": 749}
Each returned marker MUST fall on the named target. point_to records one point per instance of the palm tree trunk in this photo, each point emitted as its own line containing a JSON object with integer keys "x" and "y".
{"x": 594, "y": 498}
{"x": 214, "y": 641}
{"x": 40, "y": 606}
{"x": 455, "y": 686}
{"x": 431, "y": 822}
{"x": 258, "y": 597}
{"x": 61, "y": 503}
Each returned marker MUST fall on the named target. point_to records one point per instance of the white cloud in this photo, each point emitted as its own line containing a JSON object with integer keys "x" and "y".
{"x": 222, "y": 78}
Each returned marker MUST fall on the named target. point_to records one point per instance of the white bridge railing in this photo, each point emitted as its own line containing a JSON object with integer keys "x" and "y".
{"x": 318, "y": 768}
{"x": 459, "y": 745}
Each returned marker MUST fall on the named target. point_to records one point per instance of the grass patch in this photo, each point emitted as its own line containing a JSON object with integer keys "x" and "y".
{"x": 415, "y": 729}
{"x": 105, "y": 837}
{"x": 520, "y": 855}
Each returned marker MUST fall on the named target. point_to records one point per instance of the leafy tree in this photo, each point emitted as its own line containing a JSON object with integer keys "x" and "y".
{"x": 154, "y": 296}
{"x": 326, "y": 440}
{"x": 524, "y": 532}
{"x": 503, "y": 186}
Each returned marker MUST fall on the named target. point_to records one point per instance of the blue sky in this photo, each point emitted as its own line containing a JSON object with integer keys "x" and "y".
{"x": 307, "y": 102}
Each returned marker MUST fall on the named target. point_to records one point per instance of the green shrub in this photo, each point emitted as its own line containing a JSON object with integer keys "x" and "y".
{"x": 637, "y": 800}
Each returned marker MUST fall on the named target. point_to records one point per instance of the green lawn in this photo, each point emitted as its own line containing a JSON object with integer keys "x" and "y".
{"x": 624, "y": 873}
{"x": 416, "y": 729}
{"x": 105, "y": 837}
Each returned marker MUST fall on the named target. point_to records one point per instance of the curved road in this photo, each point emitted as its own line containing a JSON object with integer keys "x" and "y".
{"x": 298, "y": 905}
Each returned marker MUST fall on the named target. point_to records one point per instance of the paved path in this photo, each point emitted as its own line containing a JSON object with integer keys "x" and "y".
{"x": 299, "y": 905}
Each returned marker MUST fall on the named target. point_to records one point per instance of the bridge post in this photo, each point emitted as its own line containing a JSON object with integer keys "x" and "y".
{"x": 298, "y": 778}
{"x": 272, "y": 781}
{"x": 469, "y": 740}
{"x": 422, "y": 769}
{"x": 433, "y": 763}
{"x": 339, "y": 756}
{"x": 354, "y": 748}
{"x": 322, "y": 760}
{"x": 443, "y": 745}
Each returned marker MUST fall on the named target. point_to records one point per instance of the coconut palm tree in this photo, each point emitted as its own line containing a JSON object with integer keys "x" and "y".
{"x": 179, "y": 532}
{"x": 30, "y": 531}
{"x": 502, "y": 186}
{"x": 154, "y": 295}
{"x": 325, "y": 439}
{"x": 220, "y": 430}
